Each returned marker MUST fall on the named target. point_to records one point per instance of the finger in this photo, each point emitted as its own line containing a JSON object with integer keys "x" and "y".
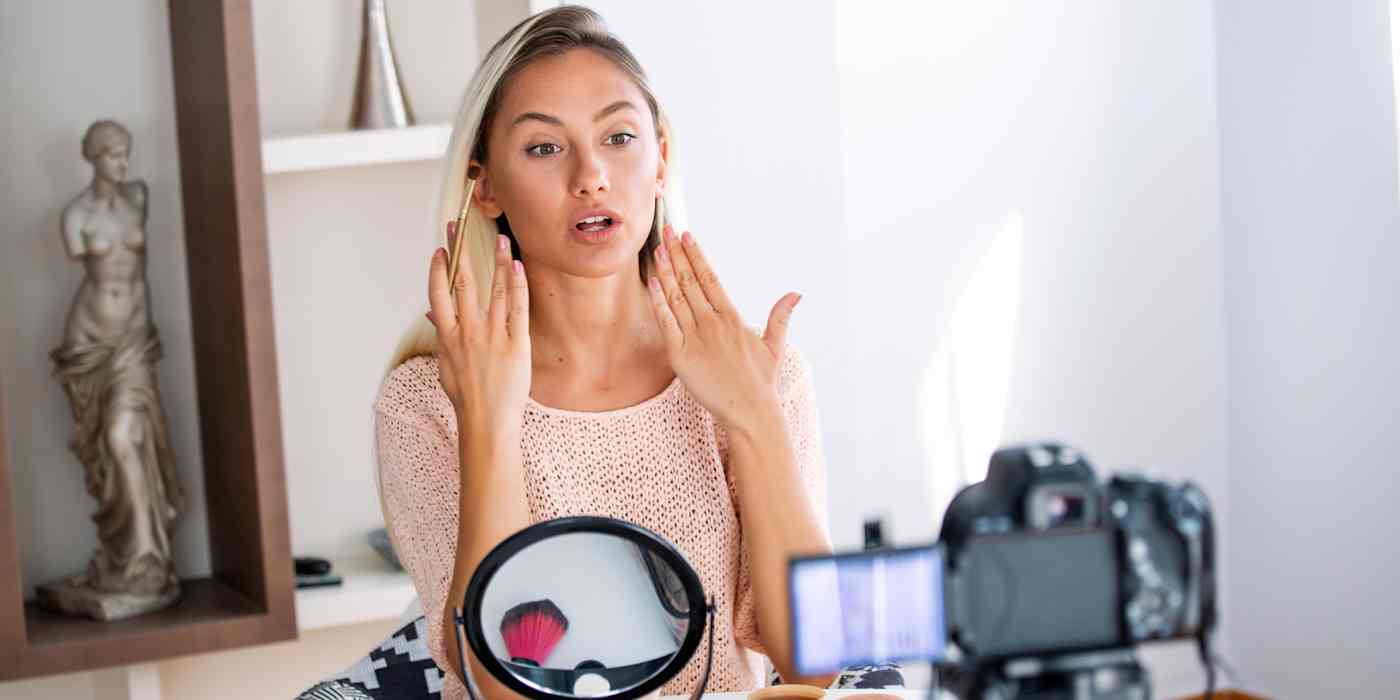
{"x": 451, "y": 233}
{"x": 685, "y": 276}
{"x": 670, "y": 329}
{"x": 496, "y": 312}
{"x": 675, "y": 298}
{"x": 775, "y": 335}
{"x": 707, "y": 277}
{"x": 441, "y": 311}
{"x": 518, "y": 323}
{"x": 464, "y": 295}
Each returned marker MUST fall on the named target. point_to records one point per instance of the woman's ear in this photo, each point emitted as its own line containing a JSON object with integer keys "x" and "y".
{"x": 663, "y": 153}
{"x": 485, "y": 194}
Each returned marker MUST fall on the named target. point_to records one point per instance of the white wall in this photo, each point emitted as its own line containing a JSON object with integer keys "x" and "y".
{"x": 1312, "y": 235}
{"x": 1030, "y": 191}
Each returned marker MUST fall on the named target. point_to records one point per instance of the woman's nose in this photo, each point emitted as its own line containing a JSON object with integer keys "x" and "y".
{"x": 589, "y": 174}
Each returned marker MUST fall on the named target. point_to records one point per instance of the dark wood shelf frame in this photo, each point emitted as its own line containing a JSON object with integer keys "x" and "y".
{"x": 249, "y": 598}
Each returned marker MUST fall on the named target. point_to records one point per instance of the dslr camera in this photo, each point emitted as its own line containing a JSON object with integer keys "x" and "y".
{"x": 1051, "y": 574}
{"x": 1044, "y": 580}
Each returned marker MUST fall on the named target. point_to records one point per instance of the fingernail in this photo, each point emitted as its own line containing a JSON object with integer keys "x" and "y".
{"x": 428, "y": 316}
{"x": 796, "y": 301}
{"x": 688, "y": 238}
{"x": 438, "y": 253}
{"x": 502, "y": 242}
{"x": 654, "y": 283}
{"x": 661, "y": 251}
{"x": 519, "y": 268}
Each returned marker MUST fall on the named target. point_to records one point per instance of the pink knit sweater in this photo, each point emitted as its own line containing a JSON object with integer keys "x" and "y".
{"x": 662, "y": 464}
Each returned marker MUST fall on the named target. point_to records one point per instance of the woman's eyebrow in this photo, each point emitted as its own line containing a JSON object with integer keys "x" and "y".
{"x": 537, "y": 116}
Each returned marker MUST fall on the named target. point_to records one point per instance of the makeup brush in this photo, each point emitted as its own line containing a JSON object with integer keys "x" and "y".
{"x": 473, "y": 172}
{"x": 531, "y": 630}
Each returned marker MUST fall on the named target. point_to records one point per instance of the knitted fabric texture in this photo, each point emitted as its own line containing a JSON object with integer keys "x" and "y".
{"x": 662, "y": 464}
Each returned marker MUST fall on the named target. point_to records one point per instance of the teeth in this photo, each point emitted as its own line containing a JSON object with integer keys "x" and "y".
{"x": 593, "y": 220}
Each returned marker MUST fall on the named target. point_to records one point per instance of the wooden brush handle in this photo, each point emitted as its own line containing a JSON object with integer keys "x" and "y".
{"x": 455, "y": 256}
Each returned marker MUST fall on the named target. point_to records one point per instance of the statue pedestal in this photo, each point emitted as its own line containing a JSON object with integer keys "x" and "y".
{"x": 73, "y": 597}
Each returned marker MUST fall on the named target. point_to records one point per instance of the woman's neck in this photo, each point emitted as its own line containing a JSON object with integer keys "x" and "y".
{"x": 591, "y": 326}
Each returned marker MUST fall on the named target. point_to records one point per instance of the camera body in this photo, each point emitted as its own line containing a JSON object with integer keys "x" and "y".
{"x": 1041, "y": 585}
{"x": 1044, "y": 560}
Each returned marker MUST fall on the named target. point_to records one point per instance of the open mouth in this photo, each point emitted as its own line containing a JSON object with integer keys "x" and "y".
{"x": 594, "y": 223}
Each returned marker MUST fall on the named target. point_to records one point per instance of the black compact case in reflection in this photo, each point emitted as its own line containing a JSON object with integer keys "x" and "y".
{"x": 865, "y": 608}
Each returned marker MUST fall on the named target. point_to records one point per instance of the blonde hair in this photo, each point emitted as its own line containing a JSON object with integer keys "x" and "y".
{"x": 548, "y": 33}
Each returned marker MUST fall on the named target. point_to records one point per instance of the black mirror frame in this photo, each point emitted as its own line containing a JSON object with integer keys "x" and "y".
{"x": 508, "y": 548}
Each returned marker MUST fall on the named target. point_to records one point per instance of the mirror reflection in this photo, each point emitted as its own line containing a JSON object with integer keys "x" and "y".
{"x": 584, "y": 613}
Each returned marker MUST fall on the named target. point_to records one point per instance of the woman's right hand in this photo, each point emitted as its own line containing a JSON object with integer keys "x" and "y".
{"x": 483, "y": 354}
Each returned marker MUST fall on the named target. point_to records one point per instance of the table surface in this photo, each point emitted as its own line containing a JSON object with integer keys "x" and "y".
{"x": 904, "y": 694}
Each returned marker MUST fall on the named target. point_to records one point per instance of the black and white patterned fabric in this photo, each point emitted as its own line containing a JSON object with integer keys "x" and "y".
{"x": 871, "y": 677}
{"x": 402, "y": 669}
{"x": 857, "y": 677}
{"x": 398, "y": 669}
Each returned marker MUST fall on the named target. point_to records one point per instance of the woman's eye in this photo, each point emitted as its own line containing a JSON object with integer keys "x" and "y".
{"x": 621, "y": 138}
{"x": 543, "y": 149}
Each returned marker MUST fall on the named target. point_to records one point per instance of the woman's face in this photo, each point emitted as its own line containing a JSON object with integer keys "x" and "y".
{"x": 112, "y": 162}
{"x": 574, "y": 141}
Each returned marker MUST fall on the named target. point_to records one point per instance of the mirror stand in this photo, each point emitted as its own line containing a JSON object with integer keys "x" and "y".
{"x": 709, "y": 655}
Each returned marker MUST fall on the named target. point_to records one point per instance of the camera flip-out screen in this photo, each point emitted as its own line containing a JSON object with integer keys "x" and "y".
{"x": 866, "y": 608}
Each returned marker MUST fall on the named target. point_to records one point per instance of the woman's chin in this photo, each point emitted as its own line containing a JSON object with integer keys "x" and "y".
{"x": 600, "y": 264}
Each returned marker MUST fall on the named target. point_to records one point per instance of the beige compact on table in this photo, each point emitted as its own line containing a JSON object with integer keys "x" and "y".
{"x": 788, "y": 691}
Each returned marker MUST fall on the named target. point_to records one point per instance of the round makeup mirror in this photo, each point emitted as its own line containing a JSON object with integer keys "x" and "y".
{"x": 584, "y": 607}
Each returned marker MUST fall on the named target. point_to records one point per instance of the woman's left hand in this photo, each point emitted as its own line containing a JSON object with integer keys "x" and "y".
{"x": 731, "y": 371}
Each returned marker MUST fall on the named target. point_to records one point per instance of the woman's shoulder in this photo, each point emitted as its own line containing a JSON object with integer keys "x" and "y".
{"x": 411, "y": 391}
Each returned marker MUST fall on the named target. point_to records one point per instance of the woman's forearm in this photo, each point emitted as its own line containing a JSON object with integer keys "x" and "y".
{"x": 779, "y": 523}
{"x": 492, "y": 507}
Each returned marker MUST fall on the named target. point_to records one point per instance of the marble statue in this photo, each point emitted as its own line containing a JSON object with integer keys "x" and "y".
{"x": 107, "y": 367}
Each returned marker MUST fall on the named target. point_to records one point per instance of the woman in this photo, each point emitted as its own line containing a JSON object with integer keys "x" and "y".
{"x": 106, "y": 364}
{"x": 586, "y": 360}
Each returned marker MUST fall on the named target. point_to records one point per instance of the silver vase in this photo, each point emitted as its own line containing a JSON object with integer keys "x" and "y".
{"x": 379, "y": 97}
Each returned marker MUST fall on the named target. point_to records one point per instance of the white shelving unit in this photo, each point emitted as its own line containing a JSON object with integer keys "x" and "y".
{"x": 341, "y": 149}
{"x": 372, "y": 591}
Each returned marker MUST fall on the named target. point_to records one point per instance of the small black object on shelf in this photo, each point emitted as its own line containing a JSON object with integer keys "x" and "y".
{"x": 874, "y": 533}
{"x": 311, "y": 566}
{"x": 318, "y": 580}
